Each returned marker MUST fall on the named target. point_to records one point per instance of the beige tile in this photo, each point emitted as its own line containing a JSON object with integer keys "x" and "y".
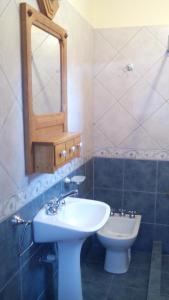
{"x": 7, "y": 186}
{"x": 103, "y": 52}
{"x": 118, "y": 37}
{"x": 141, "y": 101}
{"x": 116, "y": 124}
{"x": 4, "y": 4}
{"x": 12, "y": 146}
{"x": 143, "y": 51}
{"x": 158, "y": 77}
{"x": 139, "y": 140}
{"x": 100, "y": 140}
{"x": 33, "y": 3}
{"x": 7, "y": 98}
{"x": 115, "y": 78}
{"x": 103, "y": 100}
{"x": 161, "y": 34}
{"x": 158, "y": 125}
{"x": 10, "y": 59}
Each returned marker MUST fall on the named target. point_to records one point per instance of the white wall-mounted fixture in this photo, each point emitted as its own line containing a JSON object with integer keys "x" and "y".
{"x": 75, "y": 179}
{"x": 130, "y": 67}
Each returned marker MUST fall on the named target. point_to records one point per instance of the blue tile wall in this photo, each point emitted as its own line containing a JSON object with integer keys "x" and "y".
{"x": 130, "y": 184}
{"x": 142, "y": 186}
{"x": 108, "y": 173}
{"x": 142, "y": 202}
{"x": 25, "y": 277}
{"x": 12, "y": 289}
{"x": 140, "y": 175}
{"x": 162, "y": 205}
{"x": 112, "y": 197}
{"x": 163, "y": 177}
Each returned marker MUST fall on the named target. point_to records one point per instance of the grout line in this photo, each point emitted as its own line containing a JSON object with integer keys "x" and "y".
{"x": 123, "y": 182}
{"x": 125, "y": 190}
{"x": 156, "y": 262}
{"x": 9, "y": 280}
{"x": 93, "y": 176}
{"x": 155, "y": 207}
{"x": 6, "y": 6}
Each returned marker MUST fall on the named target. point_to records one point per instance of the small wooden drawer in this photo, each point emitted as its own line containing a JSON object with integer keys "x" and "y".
{"x": 70, "y": 148}
{"x": 60, "y": 154}
{"x": 54, "y": 153}
{"x": 43, "y": 158}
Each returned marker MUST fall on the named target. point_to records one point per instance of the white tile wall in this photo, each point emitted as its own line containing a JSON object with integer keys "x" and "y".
{"x": 142, "y": 101}
{"x": 16, "y": 189}
{"x": 115, "y": 78}
{"x": 131, "y": 108}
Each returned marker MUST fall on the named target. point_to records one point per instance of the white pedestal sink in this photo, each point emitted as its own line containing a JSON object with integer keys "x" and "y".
{"x": 73, "y": 223}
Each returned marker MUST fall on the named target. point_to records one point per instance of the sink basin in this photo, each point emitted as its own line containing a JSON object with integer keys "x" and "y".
{"x": 77, "y": 219}
{"x": 73, "y": 223}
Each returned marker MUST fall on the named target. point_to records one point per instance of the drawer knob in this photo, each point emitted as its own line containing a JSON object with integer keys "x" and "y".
{"x": 63, "y": 153}
{"x": 80, "y": 145}
{"x": 73, "y": 149}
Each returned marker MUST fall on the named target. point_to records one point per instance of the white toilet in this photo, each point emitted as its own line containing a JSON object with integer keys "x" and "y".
{"x": 117, "y": 236}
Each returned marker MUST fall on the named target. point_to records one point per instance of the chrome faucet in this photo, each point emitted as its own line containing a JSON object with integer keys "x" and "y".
{"x": 54, "y": 204}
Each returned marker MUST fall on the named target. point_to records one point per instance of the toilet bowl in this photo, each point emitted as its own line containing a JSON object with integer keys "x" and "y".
{"x": 117, "y": 236}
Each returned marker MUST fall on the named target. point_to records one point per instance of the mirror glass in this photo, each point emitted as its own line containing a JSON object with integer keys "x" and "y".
{"x": 46, "y": 72}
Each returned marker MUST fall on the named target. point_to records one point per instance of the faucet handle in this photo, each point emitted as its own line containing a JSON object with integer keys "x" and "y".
{"x": 112, "y": 211}
{"x": 122, "y": 212}
{"x": 53, "y": 201}
{"x": 63, "y": 202}
{"x": 132, "y": 214}
{"x": 52, "y": 206}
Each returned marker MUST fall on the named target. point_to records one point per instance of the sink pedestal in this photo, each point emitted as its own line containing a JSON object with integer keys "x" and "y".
{"x": 69, "y": 271}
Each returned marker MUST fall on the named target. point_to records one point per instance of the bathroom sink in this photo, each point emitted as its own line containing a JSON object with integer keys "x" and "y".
{"x": 69, "y": 227}
{"x": 77, "y": 219}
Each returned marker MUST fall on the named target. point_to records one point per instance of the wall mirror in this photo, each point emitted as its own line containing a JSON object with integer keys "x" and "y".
{"x": 48, "y": 144}
{"x": 46, "y": 72}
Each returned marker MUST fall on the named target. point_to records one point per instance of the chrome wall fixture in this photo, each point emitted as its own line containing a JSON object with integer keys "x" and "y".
{"x": 17, "y": 220}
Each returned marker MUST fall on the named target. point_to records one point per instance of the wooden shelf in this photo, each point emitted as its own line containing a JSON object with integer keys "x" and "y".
{"x": 48, "y": 144}
{"x": 55, "y": 152}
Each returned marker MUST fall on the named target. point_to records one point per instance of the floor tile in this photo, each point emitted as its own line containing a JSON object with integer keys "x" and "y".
{"x": 96, "y": 254}
{"x": 154, "y": 296}
{"x": 127, "y": 294}
{"x": 165, "y": 284}
{"x": 141, "y": 260}
{"x": 93, "y": 291}
{"x": 165, "y": 263}
{"x": 95, "y": 273}
{"x": 99, "y": 284}
{"x": 134, "y": 278}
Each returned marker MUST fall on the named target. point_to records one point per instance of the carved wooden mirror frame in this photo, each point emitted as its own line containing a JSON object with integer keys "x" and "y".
{"x": 48, "y": 7}
{"x": 43, "y": 127}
